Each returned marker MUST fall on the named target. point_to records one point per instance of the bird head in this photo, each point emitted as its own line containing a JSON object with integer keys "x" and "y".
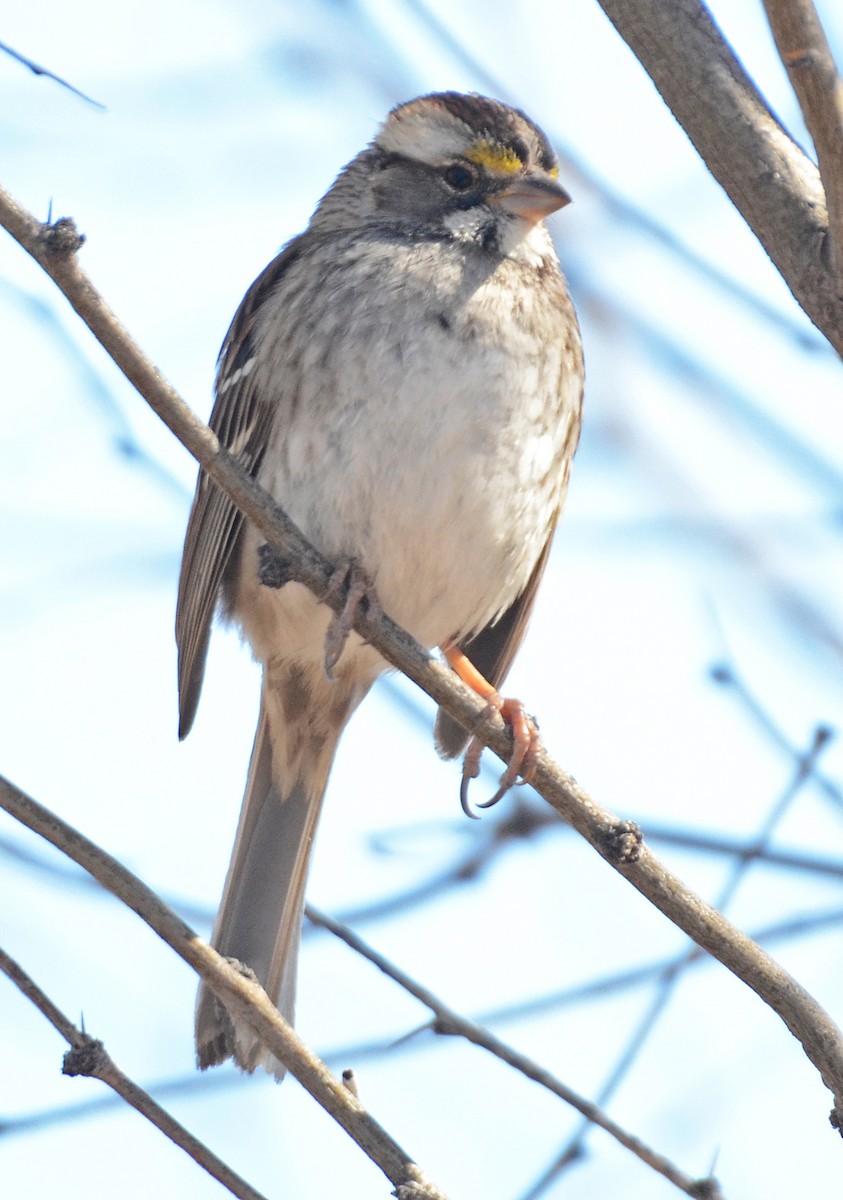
{"x": 454, "y": 165}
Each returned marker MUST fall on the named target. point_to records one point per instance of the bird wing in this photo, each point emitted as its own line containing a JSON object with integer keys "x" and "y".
{"x": 242, "y": 418}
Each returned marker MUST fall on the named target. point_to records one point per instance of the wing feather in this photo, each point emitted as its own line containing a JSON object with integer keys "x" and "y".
{"x": 241, "y": 418}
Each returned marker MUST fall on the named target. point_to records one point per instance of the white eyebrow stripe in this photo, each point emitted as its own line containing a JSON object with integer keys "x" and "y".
{"x": 429, "y": 136}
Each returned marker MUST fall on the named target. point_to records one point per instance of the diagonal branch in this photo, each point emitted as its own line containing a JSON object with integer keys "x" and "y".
{"x": 619, "y": 843}
{"x": 245, "y": 998}
{"x": 769, "y": 179}
{"x": 87, "y": 1056}
{"x": 673, "y": 971}
{"x": 39, "y": 70}
{"x": 806, "y": 55}
{"x": 410, "y": 1042}
{"x": 447, "y": 1022}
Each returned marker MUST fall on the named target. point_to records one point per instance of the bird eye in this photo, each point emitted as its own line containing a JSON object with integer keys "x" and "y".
{"x": 459, "y": 177}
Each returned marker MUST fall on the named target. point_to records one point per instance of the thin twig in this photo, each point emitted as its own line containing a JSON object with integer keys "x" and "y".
{"x": 709, "y": 386}
{"x": 93, "y": 390}
{"x": 470, "y": 866}
{"x": 88, "y": 1056}
{"x": 700, "y": 842}
{"x": 64, "y": 874}
{"x": 449, "y": 1023}
{"x": 635, "y": 977}
{"x": 806, "y": 55}
{"x": 467, "y": 868}
{"x": 38, "y": 70}
{"x": 727, "y": 676}
{"x": 357, "y": 1052}
{"x": 517, "y": 823}
{"x": 245, "y": 999}
{"x": 573, "y": 1149}
{"x": 54, "y": 248}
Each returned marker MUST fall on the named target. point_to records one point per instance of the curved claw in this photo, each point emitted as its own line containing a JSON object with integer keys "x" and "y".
{"x": 499, "y": 795}
{"x": 525, "y": 748}
{"x": 470, "y": 770}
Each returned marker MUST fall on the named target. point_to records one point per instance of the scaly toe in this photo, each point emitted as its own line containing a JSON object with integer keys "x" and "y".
{"x": 525, "y": 748}
{"x": 349, "y": 577}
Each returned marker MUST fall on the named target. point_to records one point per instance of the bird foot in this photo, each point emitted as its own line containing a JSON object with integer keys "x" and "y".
{"x": 348, "y": 577}
{"x": 525, "y": 750}
{"x": 525, "y": 732}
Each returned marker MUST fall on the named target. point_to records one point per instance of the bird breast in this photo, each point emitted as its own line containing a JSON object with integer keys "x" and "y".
{"x": 425, "y": 419}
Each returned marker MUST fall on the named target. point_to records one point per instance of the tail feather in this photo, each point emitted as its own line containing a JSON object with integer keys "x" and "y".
{"x": 260, "y": 915}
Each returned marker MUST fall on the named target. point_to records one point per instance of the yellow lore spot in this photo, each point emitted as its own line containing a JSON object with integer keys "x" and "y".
{"x": 495, "y": 157}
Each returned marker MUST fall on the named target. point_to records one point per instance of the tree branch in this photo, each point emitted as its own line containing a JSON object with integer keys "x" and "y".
{"x": 619, "y": 843}
{"x": 772, "y": 183}
{"x": 447, "y": 1022}
{"x": 807, "y": 58}
{"x": 244, "y": 998}
{"x": 88, "y": 1056}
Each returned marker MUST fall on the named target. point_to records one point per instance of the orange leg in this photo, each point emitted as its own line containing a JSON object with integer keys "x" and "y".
{"x": 525, "y": 734}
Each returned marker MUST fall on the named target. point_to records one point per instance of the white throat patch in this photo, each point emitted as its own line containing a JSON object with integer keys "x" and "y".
{"x": 518, "y": 239}
{"x": 525, "y": 241}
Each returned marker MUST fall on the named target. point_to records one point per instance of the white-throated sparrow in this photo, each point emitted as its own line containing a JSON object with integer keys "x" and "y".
{"x": 406, "y": 379}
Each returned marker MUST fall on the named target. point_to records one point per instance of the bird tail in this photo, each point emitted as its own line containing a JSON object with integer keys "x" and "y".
{"x": 260, "y": 915}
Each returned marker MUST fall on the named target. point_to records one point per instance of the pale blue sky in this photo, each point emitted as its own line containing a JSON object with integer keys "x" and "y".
{"x": 704, "y": 520}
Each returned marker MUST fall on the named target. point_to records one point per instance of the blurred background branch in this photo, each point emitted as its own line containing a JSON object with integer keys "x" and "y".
{"x": 36, "y": 69}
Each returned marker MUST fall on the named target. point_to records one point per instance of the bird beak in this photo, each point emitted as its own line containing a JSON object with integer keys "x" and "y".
{"x": 533, "y": 197}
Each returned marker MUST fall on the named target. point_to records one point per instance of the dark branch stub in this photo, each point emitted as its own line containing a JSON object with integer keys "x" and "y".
{"x": 62, "y": 239}
{"x": 87, "y": 1058}
{"x": 274, "y": 570}
{"x": 707, "y": 1189}
{"x": 623, "y": 843}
